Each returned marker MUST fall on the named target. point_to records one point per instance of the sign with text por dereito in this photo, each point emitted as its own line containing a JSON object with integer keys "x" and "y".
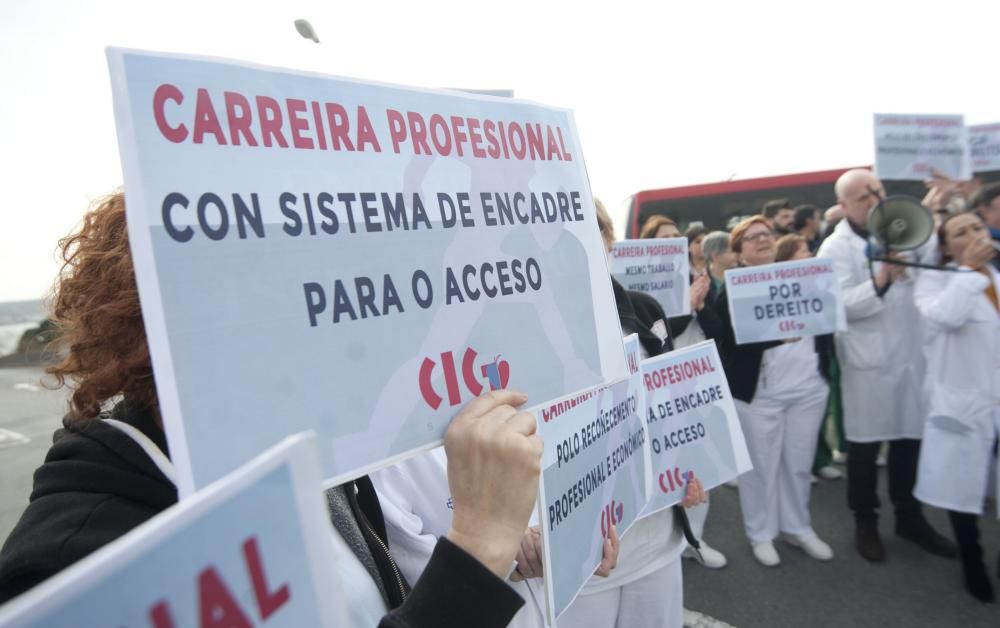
{"x": 658, "y": 267}
{"x": 910, "y": 147}
{"x": 351, "y": 258}
{"x": 984, "y": 144}
{"x": 252, "y": 549}
{"x": 692, "y": 424}
{"x": 785, "y": 300}
{"x": 594, "y": 475}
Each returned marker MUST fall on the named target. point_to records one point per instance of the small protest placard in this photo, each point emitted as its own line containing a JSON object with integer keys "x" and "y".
{"x": 594, "y": 475}
{"x": 692, "y": 424}
{"x": 909, "y": 147}
{"x": 353, "y": 258}
{"x": 658, "y": 267}
{"x": 984, "y": 144}
{"x": 785, "y": 300}
{"x": 252, "y": 549}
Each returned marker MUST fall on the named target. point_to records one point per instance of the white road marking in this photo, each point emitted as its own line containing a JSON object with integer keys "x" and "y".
{"x": 28, "y": 387}
{"x": 694, "y": 619}
{"x": 10, "y": 438}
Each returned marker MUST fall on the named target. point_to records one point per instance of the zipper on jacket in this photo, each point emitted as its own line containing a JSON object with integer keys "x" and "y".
{"x": 392, "y": 563}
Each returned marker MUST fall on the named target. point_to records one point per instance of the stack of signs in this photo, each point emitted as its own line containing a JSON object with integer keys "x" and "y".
{"x": 785, "y": 300}
{"x": 351, "y": 258}
{"x": 252, "y": 549}
{"x": 692, "y": 424}
{"x": 658, "y": 267}
{"x": 912, "y": 147}
{"x": 594, "y": 475}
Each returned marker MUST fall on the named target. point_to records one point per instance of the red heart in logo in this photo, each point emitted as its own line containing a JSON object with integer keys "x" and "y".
{"x": 504, "y": 367}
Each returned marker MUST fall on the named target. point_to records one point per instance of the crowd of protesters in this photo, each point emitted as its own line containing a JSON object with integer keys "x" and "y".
{"x": 919, "y": 361}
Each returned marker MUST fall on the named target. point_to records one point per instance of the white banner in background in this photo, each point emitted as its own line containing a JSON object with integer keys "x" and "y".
{"x": 658, "y": 267}
{"x": 908, "y": 147}
{"x": 357, "y": 259}
{"x": 984, "y": 143}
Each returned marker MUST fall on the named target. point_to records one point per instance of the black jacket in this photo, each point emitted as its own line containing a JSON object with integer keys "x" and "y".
{"x": 742, "y": 362}
{"x": 97, "y": 484}
{"x": 638, "y": 313}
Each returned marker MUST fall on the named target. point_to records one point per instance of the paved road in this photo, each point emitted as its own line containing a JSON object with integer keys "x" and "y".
{"x": 912, "y": 589}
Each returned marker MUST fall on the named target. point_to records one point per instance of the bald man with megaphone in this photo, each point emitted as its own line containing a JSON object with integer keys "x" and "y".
{"x": 882, "y": 365}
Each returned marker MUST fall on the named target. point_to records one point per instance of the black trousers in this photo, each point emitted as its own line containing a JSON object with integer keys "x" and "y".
{"x": 862, "y": 480}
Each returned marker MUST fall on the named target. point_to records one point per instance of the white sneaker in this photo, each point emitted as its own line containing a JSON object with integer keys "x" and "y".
{"x": 830, "y": 472}
{"x": 709, "y": 557}
{"x": 766, "y": 554}
{"x": 811, "y": 545}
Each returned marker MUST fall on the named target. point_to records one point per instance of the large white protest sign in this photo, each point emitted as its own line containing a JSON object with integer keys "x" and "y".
{"x": 594, "y": 475}
{"x": 785, "y": 300}
{"x": 255, "y": 548}
{"x": 692, "y": 424}
{"x": 659, "y": 267}
{"x": 352, "y": 258}
{"x": 910, "y": 147}
{"x": 984, "y": 144}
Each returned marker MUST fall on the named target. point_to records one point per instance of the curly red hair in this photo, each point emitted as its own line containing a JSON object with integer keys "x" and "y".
{"x": 96, "y": 307}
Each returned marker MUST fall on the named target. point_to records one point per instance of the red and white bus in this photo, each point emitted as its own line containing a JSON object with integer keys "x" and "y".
{"x": 714, "y": 204}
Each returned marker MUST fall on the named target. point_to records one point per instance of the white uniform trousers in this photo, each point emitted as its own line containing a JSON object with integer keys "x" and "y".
{"x": 697, "y": 515}
{"x": 781, "y": 438}
{"x": 654, "y": 601}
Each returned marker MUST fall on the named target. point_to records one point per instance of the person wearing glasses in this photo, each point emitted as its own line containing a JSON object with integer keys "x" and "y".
{"x": 780, "y": 392}
{"x": 882, "y": 373}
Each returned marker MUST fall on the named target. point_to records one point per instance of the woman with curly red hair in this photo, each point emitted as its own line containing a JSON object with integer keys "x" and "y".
{"x": 108, "y": 470}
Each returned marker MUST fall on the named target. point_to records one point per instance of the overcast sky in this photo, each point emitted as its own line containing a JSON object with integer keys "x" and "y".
{"x": 665, "y": 93}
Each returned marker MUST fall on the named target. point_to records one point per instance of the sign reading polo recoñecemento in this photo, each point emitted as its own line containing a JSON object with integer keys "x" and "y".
{"x": 352, "y": 258}
{"x": 595, "y": 472}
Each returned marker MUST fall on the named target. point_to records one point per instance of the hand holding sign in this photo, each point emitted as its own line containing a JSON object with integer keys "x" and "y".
{"x": 494, "y": 462}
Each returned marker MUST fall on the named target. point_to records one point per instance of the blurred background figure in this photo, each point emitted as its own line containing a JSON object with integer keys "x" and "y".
{"x": 695, "y": 234}
{"x": 806, "y": 223}
{"x": 962, "y": 345}
{"x": 659, "y": 227}
{"x": 719, "y": 258}
{"x": 986, "y": 203}
{"x": 780, "y": 214}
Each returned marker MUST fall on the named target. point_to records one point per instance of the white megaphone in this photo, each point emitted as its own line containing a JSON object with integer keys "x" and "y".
{"x": 899, "y": 223}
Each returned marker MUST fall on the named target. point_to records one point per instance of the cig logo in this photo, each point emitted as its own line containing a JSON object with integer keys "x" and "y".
{"x": 611, "y": 516}
{"x": 496, "y": 375}
{"x": 673, "y": 479}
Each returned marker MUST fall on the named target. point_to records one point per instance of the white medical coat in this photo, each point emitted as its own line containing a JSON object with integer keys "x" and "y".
{"x": 962, "y": 345}
{"x": 880, "y": 354}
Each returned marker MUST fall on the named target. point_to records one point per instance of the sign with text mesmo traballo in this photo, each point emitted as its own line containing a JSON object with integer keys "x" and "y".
{"x": 785, "y": 300}
{"x": 911, "y": 147}
{"x": 252, "y": 549}
{"x": 352, "y": 258}
{"x": 658, "y": 267}
{"x": 692, "y": 424}
{"x": 595, "y": 471}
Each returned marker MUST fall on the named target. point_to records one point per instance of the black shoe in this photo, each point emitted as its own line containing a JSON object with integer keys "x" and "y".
{"x": 869, "y": 543}
{"x": 926, "y": 537}
{"x": 977, "y": 581}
